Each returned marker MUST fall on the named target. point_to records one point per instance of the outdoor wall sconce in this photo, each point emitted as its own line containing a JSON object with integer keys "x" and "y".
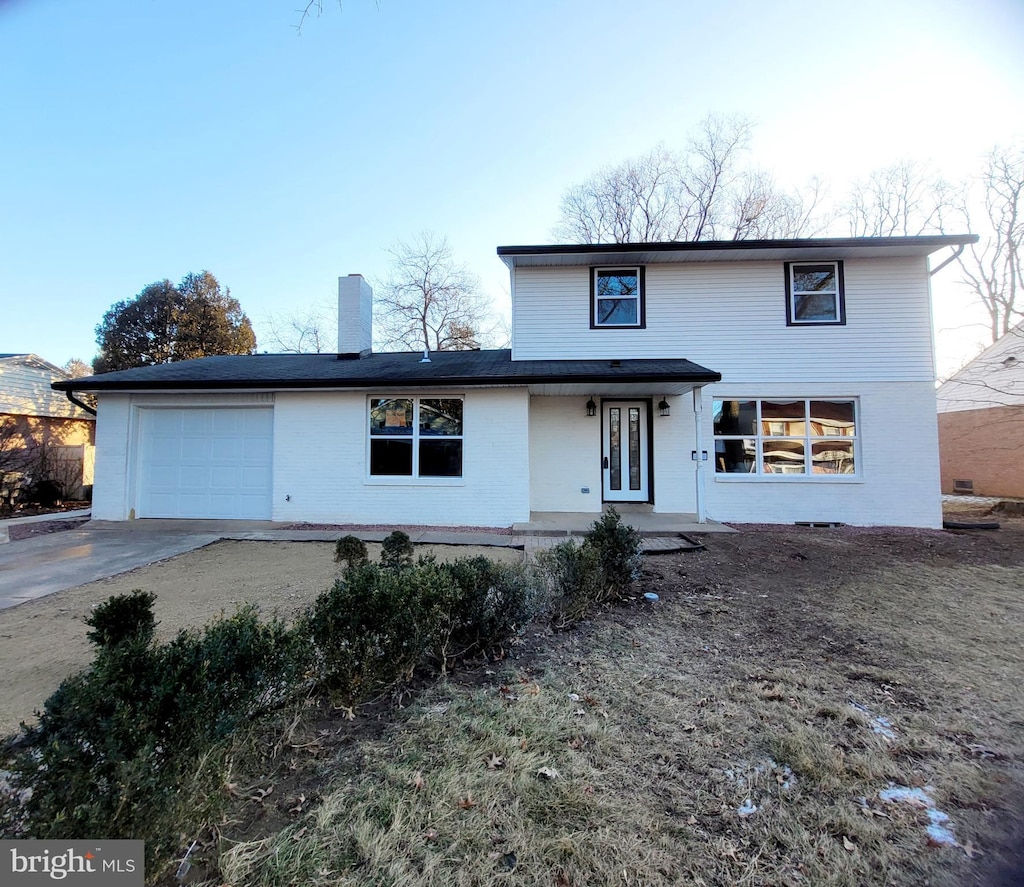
{"x": 591, "y": 407}
{"x": 663, "y": 407}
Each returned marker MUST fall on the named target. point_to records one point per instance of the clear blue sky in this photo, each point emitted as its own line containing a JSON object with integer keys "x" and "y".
{"x": 147, "y": 139}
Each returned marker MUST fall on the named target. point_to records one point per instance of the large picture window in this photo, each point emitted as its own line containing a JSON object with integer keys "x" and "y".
{"x": 781, "y": 436}
{"x": 815, "y": 293}
{"x": 418, "y": 437}
{"x": 617, "y": 298}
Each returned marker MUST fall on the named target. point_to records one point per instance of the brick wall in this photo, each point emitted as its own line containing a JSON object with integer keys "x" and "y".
{"x": 985, "y": 447}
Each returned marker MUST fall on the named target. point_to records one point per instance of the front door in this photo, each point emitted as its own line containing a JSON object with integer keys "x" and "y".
{"x": 625, "y": 455}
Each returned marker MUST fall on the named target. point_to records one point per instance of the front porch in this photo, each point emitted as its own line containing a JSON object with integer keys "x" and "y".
{"x": 649, "y": 524}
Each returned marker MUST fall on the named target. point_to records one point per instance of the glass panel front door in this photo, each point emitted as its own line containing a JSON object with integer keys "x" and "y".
{"x": 625, "y": 451}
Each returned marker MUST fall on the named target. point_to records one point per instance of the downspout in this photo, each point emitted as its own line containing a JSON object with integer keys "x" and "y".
{"x": 698, "y": 453}
{"x": 952, "y": 258}
{"x": 78, "y": 403}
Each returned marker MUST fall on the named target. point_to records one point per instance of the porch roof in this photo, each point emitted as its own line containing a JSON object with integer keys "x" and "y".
{"x": 405, "y": 370}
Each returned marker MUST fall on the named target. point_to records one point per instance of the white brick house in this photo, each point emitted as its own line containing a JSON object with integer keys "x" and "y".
{"x": 801, "y": 370}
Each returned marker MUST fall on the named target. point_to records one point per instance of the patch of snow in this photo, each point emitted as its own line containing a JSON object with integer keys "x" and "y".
{"x": 878, "y": 723}
{"x": 747, "y": 809}
{"x": 938, "y": 833}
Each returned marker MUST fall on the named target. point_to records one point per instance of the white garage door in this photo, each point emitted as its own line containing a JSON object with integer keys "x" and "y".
{"x": 206, "y": 463}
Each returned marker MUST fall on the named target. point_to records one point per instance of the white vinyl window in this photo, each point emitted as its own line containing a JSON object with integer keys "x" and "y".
{"x": 617, "y": 298}
{"x": 815, "y": 293}
{"x": 416, "y": 437}
{"x": 785, "y": 437}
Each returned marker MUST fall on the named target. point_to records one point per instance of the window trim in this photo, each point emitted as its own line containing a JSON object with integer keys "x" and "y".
{"x": 414, "y": 479}
{"x": 840, "y": 295}
{"x": 808, "y": 439}
{"x": 641, "y": 297}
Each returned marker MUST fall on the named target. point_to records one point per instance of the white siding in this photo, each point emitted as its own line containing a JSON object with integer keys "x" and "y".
{"x": 320, "y": 474}
{"x": 992, "y": 379}
{"x": 25, "y": 389}
{"x": 731, "y": 317}
{"x": 898, "y": 473}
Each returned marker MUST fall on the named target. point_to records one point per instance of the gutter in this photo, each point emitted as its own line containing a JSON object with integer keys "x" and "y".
{"x": 952, "y": 258}
{"x": 82, "y": 406}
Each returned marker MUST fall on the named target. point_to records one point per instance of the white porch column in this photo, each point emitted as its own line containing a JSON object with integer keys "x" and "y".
{"x": 698, "y": 474}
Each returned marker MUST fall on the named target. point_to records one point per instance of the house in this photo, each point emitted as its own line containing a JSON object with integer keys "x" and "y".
{"x": 981, "y": 422}
{"x": 757, "y": 381}
{"x": 43, "y": 435}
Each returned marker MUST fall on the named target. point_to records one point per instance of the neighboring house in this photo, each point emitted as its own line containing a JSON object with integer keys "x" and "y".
{"x": 981, "y": 422}
{"x": 42, "y": 434}
{"x": 802, "y": 371}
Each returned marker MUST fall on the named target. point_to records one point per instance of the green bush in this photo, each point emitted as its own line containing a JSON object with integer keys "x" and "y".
{"x": 575, "y": 580}
{"x": 380, "y": 622}
{"x": 599, "y": 569}
{"x": 493, "y": 602}
{"x": 351, "y": 551}
{"x": 369, "y": 630}
{"x": 116, "y": 742}
{"x": 396, "y": 551}
{"x": 121, "y": 618}
{"x": 619, "y": 549}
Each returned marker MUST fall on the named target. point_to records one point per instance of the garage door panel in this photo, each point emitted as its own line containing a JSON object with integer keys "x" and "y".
{"x": 195, "y": 449}
{"x": 254, "y": 479}
{"x": 226, "y": 449}
{"x": 226, "y": 478}
{"x": 197, "y": 422}
{"x": 256, "y": 452}
{"x": 206, "y": 463}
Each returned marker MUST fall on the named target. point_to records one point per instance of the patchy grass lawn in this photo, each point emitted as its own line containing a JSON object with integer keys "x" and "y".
{"x": 740, "y": 731}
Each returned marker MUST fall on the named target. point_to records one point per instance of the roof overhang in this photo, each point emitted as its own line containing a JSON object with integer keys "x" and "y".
{"x": 403, "y": 372}
{"x": 795, "y": 250}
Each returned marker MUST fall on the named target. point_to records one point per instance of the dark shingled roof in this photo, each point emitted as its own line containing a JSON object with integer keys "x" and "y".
{"x": 395, "y": 370}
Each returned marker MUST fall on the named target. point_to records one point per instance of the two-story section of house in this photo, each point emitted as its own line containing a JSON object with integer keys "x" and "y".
{"x": 748, "y": 381}
{"x": 825, "y": 410}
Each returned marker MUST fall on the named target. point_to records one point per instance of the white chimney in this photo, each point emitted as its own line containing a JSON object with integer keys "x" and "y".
{"x": 355, "y": 317}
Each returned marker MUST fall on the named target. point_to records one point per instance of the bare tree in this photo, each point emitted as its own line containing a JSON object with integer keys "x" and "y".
{"x": 428, "y": 301}
{"x": 901, "y": 200}
{"x": 703, "y": 192}
{"x": 308, "y": 331}
{"x": 992, "y": 269}
{"x": 14, "y": 458}
{"x": 77, "y": 368}
{"x": 760, "y": 210}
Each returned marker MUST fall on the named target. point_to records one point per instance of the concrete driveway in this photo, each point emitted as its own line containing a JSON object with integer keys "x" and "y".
{"x": 46, "y": 564}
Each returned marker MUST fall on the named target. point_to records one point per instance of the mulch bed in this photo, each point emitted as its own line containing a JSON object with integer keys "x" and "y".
{"x": 43, "y": 528}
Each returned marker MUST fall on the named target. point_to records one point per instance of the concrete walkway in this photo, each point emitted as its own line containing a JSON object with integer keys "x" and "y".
{"x": 42, "y": 565}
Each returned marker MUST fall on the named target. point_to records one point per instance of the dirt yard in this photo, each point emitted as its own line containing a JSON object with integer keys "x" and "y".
{"x": 837, "y": 707}
{"x": 743, "y": 729}
{"x": 43, "y": 641}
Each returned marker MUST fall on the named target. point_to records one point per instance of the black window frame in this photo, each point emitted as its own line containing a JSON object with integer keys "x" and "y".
{"x": 641, "y": 297}
{"x": 840, "y": 320}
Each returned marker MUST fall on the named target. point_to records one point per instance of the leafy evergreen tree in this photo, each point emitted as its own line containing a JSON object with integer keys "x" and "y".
{"x": 166, "y": 323}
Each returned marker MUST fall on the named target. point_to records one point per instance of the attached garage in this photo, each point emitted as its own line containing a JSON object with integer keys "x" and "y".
{"x": 205, "y": 463}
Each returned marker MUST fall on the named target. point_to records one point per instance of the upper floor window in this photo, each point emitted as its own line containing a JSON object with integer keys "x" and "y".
{"x": 814, "y": 293}
{"x": 415, "y": 437}
{"x": 617, "y": 298}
